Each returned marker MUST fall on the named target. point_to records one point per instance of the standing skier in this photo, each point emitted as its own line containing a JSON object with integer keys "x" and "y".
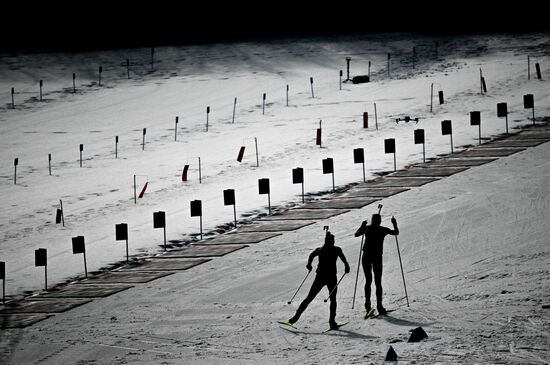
{"x": 326, "y": 275}
{"x": 372, "y": 256}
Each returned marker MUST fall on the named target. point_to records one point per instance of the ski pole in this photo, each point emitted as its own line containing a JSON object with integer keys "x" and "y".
{"x": 357, "y": 276}
{"x": 402, "y": 274}
{"x": 303, "y": 281}
{"x": 333, "y": 289}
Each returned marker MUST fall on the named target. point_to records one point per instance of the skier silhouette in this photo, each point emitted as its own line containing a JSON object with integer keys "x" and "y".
{"x": 326, "y": 275}
{"x": 372, "y": 256}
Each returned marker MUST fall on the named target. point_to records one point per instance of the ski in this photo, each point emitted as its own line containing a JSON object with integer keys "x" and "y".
{"x": 369, "y": 314}
{"x": 336, "y": 329}
{"x": 287, "y": 323}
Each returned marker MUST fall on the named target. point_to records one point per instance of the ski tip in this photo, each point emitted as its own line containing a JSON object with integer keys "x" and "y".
{"x": 287, "y": 323}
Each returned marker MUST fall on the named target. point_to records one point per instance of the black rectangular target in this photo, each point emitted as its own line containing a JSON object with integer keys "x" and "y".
{"x": 328, "y": 166}
{"x": 446, "y": 127}
{"x": 229, "y": 197}
{"x": 475, "y": 118}
{"x": 121, "y": 232}
{"x": 40, "y": 257}
{"x": 418, "y": 136}
{"x": 78, "y": 245}
{"x": 159, "y": 219}
{"x": 297, "y": 175}
{"x": 389, "y": 145}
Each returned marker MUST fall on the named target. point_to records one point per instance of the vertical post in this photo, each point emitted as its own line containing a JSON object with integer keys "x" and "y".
{"x": 286, "y": 94}
{"x": 348, "y": 59}
{"x": 127, "y": 256}
{"x": 143, "y": 139}
{"x": 481, "y": 81}
{"x": 311, "y": 82}
{"x": 263, "y": 104}
{"x": 452, "y": 143}
{"x": 3, "y": 277}
{"x": 50, "y": 164}
{"x": 389, "y": 61}
{"x": 333, "y": 186}
{"x": 135, "y": 192}
{"x": 537, "y": 69}
{"x": 234, "y": 107}
{"x": 207, "y": 114}
{"x": 62, "y": 213}
{"x": 200, "y": 171}
{"x": 303, "y": 194}
{"x": 81, "y": 148}
{"x": 12, "y": 100}
{"x": 506, "y": 123}
{"x": 15, "y": 163}
{"x": 432, "y": 98}
{"x": 528, "y": 68}
{"x": 533, "y": 114}
{"x": 369, "y": 71}
{"x": 152, "y": 58}
{"x": 176, "y": 130}
{"x": 375, "y": 116}
{"x": 269, "y": 202}
{"x": 74, "y": 82}
{"x": 128, "y": 68}
{"x": 341, "y": 73}
{"x": 46, "y": 276}
{"x": 164, "y": 237}
{"x": 394, "y": 162}
{"x": 257, "y": 158}
{"x": 200, "y": 220}
{"x": 85, "y": 265}
{"x": 100, "y": 71}
{"x": 116, "y": 146}
{"x": 414, "y": 56}
{"x": 41, "y": 83}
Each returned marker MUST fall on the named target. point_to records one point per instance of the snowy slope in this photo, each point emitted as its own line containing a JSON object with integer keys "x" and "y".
{"x": 455, "y": 224}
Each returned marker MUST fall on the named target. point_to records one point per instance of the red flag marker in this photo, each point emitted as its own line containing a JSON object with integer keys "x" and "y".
{"x": 143, "y": 190}
{"x": 184, "y": 173}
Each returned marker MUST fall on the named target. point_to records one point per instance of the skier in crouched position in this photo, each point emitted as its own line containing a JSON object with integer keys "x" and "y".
{"x": 372, "y": 256}
{"x": 326, "y": 275}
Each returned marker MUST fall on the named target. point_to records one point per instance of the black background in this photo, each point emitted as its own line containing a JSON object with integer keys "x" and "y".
{"x": 86, "y": 25}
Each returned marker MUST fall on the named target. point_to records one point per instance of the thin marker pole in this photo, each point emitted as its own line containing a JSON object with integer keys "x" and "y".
{"x": 135, "y": 193}
{"x": 41, "y": 83}
{"x": 257, "y": 158}
{"x": 176, "y": 130}
{"x": 341, "y": 73}
{"x": 116, "y": 146}
{"x": 311, "y": 82}
{"x": 12, "y": 100}
{"x": 395, "y": 163}
{"x": 100, "y": 70}
{"x": 286, "y": 94}
{"x": 234, "y": 107}
{"x": 50, "y": 163}
{"x": 74, "y": 82}
{"x": 263, "y": 104}
{"x": 46, "y": 276}
{"x": 369, "y": 71}
{"x": 62, "y": 213}
{"x": 165, "y": 237}
{"x": 200, "y": 172}
{"x": 128, "y": 67}
{"x": 321, "y": 139}
{"x": 528, "y": 68}
{"x": 357, "y": 275}
{"x": 364, "y": 176}
{"x": 201, "y": 225}
{"x": 375, "y": 117}
{"x": 303, "y": 195}
{"x": 15, "y": 163}
{"x": 432, "y": 98}
{"x": 85, "y": 265}
{"x": 480, "y": 132}
{"x": 127, "y": 256}
{"x": 402, "y": 273}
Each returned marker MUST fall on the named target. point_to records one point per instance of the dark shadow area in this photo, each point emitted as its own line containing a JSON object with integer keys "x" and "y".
{"x": 403, "y": 322}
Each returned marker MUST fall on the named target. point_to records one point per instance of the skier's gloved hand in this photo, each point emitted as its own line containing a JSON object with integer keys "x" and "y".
{"x": 308, "y": 267}
{"x": 347, "y": 269}
{"x": 394, "y": 222}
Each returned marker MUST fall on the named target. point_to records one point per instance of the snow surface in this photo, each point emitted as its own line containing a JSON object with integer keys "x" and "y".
{"x": 474, "y": 245}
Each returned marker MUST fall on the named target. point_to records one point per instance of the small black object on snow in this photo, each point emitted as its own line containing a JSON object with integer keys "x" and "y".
{"x": 417, "y": 335}
{"x": 391, "y": 355}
